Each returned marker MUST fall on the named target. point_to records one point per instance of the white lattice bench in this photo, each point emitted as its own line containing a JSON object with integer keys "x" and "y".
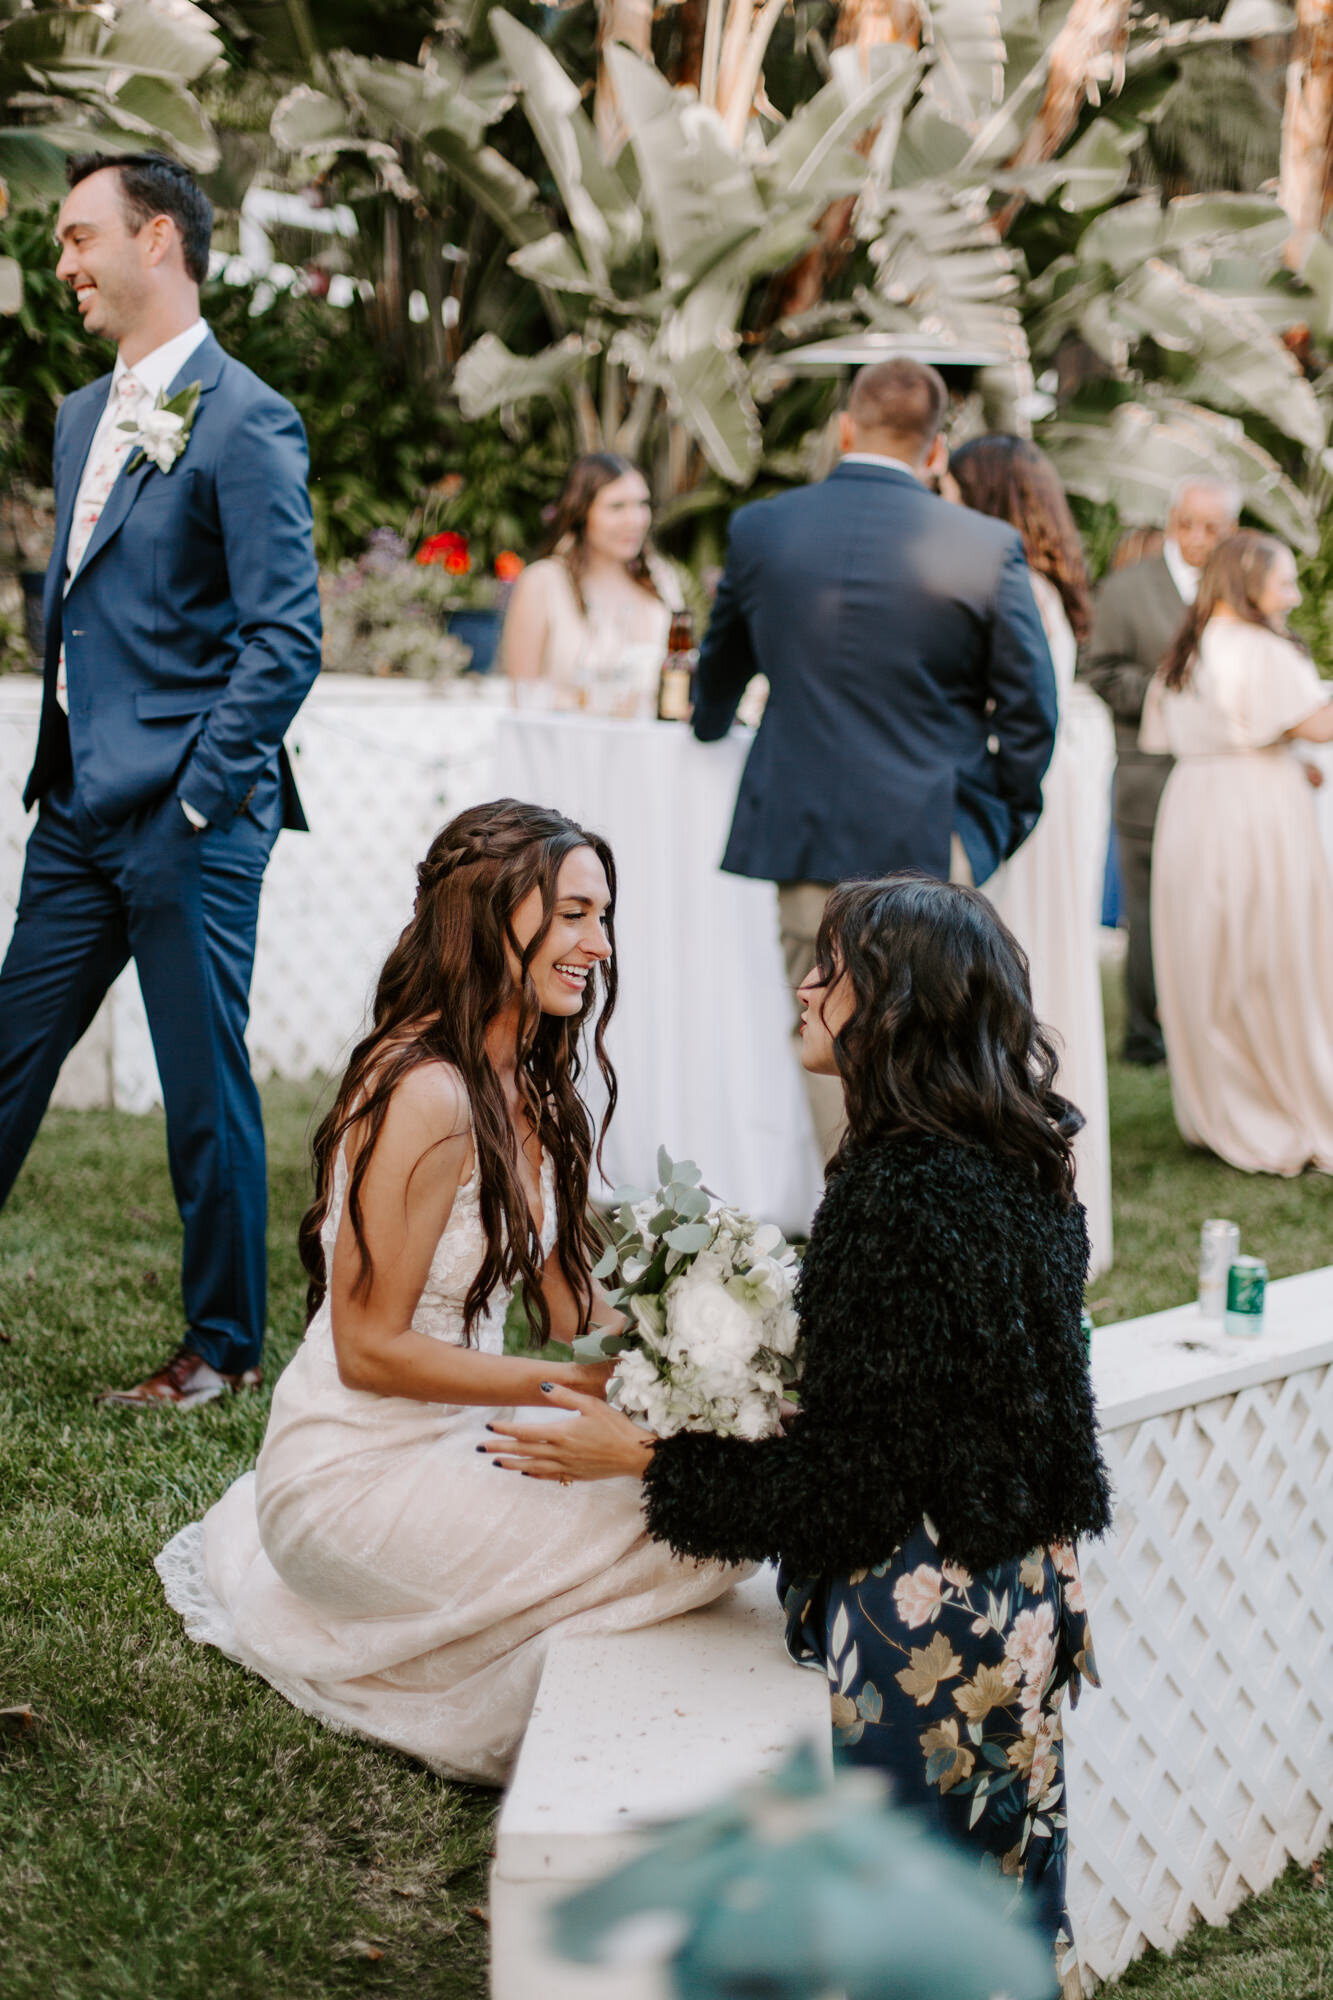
{"x": 1201, "y": 1766}
{"x": 1205, "y": 1762}
{"x": 627, "y": 1730}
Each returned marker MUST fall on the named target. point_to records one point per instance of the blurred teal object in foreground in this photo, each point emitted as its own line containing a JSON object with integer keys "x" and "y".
{"x": 806, "y": 1886}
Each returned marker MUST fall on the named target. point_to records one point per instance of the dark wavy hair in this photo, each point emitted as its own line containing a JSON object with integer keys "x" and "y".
{"x": 1234, "y": 575}
{"x": 151, "y": 184}
{"x": 942, "y": 1038}
{"x": 1011, "y": 479}
{"x": 567, "y": 539}
{"x": 442, "y": 984}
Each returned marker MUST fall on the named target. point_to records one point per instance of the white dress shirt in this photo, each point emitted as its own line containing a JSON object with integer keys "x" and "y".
{"x": 153, "y": 374}
{"x": 1184, "y": 575}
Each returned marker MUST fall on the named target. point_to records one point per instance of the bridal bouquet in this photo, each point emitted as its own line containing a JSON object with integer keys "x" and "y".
{"x": 707, "y": 1294}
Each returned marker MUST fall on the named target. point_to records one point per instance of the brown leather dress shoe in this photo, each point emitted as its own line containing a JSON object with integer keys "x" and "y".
{"x": 186, "y": 1381}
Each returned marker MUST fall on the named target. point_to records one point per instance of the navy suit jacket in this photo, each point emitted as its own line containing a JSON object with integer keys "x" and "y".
{"x": 911, "y": 688}
{"x": 192, "y": 627}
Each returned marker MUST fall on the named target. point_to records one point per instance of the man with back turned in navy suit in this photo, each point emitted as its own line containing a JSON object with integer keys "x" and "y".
{"x": 182, "y": 634}
{"x": 912, "y": 706}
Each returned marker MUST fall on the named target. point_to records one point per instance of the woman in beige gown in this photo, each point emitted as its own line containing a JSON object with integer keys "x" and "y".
{"x": 1242, "y": 897}
{"x": 587, "y": 624}
{"x": 372, "y": 1567}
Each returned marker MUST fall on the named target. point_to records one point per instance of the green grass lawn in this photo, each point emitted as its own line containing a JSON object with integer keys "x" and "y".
{"x": 170, "y": 1829}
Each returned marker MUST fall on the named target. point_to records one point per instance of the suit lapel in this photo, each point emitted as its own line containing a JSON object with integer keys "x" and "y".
{"x": 204, "y": 366}
{"x": 82, "y": 426}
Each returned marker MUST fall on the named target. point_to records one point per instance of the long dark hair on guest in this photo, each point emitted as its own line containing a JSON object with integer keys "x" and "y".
{"x": 442, "y": 984}
{"x": 942, "y": 1038}
{"x": 1011, "y": 479}
{"x": 1234, "y": 574}
{"x": 568, "y": 535}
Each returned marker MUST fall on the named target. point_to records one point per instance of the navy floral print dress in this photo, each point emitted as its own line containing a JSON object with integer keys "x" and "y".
{"x": 952, "y": 1685}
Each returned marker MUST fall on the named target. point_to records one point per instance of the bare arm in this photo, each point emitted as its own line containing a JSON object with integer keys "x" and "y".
{"x": 424, "y": 1153}
{"x": 527, "y": 624}
{"x": 1316, "y": 728}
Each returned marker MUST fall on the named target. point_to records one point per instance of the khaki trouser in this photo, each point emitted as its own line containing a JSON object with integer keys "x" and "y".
{"x": 800, "y": 908}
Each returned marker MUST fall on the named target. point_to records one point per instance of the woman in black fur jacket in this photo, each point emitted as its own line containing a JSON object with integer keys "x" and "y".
{"x": 925, "y": 1500}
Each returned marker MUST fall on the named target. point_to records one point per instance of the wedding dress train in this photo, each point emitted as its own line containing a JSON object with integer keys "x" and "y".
{"x": 382, "y": 1575}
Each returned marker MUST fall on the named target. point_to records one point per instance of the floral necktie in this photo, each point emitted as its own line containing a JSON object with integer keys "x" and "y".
{"x": 101, "y": 472}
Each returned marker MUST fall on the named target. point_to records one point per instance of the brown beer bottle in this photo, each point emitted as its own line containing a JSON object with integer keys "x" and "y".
{"x": 675, "y": 688}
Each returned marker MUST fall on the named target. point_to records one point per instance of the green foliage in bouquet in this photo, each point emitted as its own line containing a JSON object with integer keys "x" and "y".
{"x": 710, "y": 1335}
{"x": 652, "y": 1236}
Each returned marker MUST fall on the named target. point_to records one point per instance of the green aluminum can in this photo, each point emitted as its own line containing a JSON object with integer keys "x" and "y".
{"x": 1247, "y": 1281}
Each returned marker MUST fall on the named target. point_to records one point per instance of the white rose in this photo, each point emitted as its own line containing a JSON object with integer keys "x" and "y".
{"x": 160, "y": 436}
{"x": 643, "y": 1213}
{"x": 780, "y": 1329}
{"x": 756, "y": 1418}
{"x": 765, "y": 1284}
{"x": 634, "y": 1380}
{"x": 705, "y": 1321}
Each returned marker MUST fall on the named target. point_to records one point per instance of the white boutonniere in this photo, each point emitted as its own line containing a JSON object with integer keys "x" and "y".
{"x": 162, "y": 433}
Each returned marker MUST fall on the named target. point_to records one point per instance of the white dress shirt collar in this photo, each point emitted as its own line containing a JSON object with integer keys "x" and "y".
{"x": 158, "y": 370}
{"x": 882, "y": 459}
{"x": 1184, "y": 576}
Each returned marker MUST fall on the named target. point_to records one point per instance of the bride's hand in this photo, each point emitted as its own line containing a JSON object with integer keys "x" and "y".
{"x": 599, "y": 1443}
{"x": 586, "y": 1378}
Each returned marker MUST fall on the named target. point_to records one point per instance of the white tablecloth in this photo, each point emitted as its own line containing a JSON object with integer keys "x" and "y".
{"x": 701, "y": 1037}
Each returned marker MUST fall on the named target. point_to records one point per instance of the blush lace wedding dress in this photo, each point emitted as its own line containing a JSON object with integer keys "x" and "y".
{"x": 380, "y": 1573}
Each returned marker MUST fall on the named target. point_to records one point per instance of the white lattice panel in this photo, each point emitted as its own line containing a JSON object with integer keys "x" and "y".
{"x": 380, "y": 766}
{"x": 1205, "y": 1761}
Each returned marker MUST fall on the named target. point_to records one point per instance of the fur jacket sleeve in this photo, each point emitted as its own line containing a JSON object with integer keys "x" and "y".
{"x": 945, "y": 1374}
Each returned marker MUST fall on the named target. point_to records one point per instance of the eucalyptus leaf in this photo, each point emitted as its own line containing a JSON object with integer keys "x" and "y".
{"x": 666, "y": 1167}
{"x": 606, "y": 1263}
{"x": 692, "y": 1204}
{"x": 690, "y": 1238}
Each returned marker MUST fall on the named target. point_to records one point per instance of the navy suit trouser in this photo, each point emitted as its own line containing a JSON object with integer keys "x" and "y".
{"x": 185, "y": 906}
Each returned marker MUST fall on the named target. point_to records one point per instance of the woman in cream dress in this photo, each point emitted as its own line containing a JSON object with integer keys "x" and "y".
{"x": 1242, "y": 902}
{"x": 1049, "y": 893}
{"x": 373, "y": 1568}
{"x": 587, "y": 624}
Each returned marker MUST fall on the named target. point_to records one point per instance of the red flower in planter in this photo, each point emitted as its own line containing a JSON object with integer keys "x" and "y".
{"x": 508, "y": 566}
{"x": 449, "y": 549}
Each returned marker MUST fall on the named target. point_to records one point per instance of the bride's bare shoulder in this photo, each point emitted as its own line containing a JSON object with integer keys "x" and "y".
{"x": 433, "y": 1094}
{"x": 427, "y": 1116}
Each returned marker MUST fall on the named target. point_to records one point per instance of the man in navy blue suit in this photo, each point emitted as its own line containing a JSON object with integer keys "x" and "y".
{"x": 182, "y": 634}
{"x": 912, "y": 707}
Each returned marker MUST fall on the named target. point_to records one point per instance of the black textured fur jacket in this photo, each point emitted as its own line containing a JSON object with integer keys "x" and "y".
{"x": 945, "y": 1374}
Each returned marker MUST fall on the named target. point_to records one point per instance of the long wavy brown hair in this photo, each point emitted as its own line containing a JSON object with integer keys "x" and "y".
{"x": 1011, "y": 479}
{"x": 443, "y": 983}
{"x": 568, "y": 536}
{"x": 1234, "y": 575}
{"x": 942, "y": 1037}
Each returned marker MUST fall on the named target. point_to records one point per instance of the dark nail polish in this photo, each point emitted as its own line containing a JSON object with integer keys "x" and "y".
{"x": 496, "y": 1463}
{"x": 481, "y": 1447}
{"x": 546, "y": 1387}
{"x": 489, "y": 1427}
